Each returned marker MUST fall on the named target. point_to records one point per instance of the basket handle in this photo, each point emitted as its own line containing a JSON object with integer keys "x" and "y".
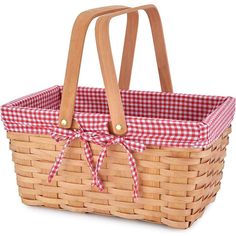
{"x": 160, "y": 52}
{"x": 118, "y": 124}
{"x": 78, "y": 34}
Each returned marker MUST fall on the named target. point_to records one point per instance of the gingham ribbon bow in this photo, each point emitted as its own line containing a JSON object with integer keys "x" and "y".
{"x": 104, "y": 140}
{"x": 60, "y": 134}
{"x": 129, "y": 146}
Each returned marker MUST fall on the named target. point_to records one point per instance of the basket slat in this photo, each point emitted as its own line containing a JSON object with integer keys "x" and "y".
{"x": 175, "y": 184}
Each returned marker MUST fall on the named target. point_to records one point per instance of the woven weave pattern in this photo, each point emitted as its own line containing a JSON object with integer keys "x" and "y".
{"x": 175, "y": 184}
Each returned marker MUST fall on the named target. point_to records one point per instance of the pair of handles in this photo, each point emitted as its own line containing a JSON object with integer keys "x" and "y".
{"x": 118, "y": 124}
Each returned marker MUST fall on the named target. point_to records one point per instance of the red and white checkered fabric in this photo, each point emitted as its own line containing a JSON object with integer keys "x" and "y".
{"x": 104, "y": 140}
{"x": 163, "y": 119}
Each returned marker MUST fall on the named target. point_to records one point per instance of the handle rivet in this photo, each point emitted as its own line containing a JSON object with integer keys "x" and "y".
{"x": 63, "y": 122}
{"x": 118, "y": 127}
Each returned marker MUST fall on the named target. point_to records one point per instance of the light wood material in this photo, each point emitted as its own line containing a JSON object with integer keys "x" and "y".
{"x": 176, "y": 185}
{"x": 159, "y": 46}
{"x": 128, "y": 52}
{"x": 75, "y": 56}
{"x": 107, "y": 64}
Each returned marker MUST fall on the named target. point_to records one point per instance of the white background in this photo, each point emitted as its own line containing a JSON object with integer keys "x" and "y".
{"x": 34, "y": 39}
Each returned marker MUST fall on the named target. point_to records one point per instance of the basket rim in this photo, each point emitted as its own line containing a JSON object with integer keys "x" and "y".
{"x": 202, "y": 133}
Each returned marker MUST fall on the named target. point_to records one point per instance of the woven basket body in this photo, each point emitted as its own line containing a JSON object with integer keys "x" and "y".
{"x": 176, "y": 184}
{"x": 163, "y": 152}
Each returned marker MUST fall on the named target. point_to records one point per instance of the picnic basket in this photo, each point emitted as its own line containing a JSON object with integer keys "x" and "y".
{"x": 153, "y": 156}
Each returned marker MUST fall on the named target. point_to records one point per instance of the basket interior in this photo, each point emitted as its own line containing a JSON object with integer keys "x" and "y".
{"x": 136, "y": 103}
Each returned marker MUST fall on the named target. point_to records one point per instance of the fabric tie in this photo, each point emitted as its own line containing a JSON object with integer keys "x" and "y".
{"x": 103, "y": 140}
{"x": 60, "y": 134}
{"x": 128, "y": 146}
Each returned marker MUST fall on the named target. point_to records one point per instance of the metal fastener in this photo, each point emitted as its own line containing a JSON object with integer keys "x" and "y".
{"x": 118, "y": 127}
{"x": 63, "y": 122}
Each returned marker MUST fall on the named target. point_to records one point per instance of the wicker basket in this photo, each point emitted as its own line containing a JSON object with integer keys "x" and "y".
{"x": 179, "y": 175}
{"x": 176, "y": 184}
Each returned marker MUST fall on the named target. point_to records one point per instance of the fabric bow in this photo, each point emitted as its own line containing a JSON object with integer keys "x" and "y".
{"x": 60, "y": 134}
{"x": 128, "y": 146}
{"x": 103, "y": 140}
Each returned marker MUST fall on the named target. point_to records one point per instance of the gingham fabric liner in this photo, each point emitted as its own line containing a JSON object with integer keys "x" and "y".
{"x": 162, "y": 119}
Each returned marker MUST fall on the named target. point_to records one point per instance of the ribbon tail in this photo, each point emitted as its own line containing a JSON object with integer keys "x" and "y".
{"x": 58, "y": 161}
{"x": 89, "y": 156}
{"x": 96, "y": 180}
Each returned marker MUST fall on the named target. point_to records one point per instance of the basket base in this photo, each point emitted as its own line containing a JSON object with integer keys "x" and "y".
{"x": 174, "y": 224}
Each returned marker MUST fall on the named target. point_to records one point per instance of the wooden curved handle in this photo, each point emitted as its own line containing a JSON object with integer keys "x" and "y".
{"x": 160, "y": 51}
{"x": 75, "y": 56}
{"x": 108, "y": 68}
